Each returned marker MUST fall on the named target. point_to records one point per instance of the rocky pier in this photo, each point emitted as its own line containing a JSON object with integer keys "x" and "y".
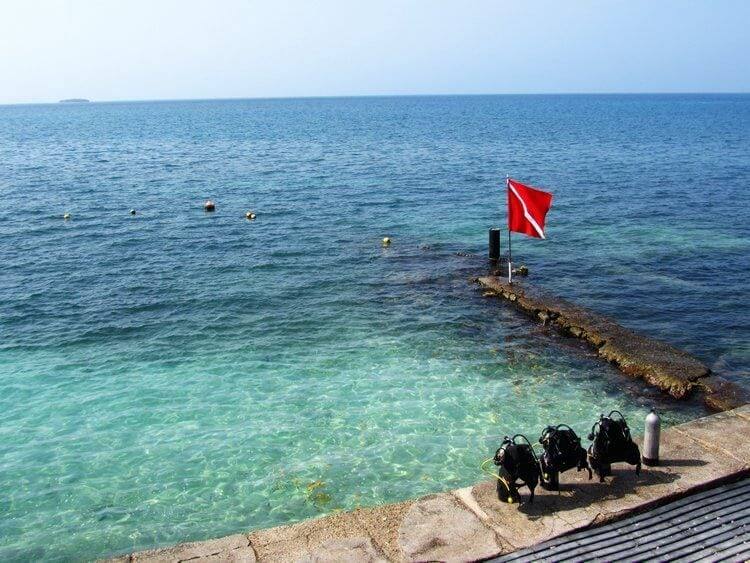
{"x": 659, "y": 364}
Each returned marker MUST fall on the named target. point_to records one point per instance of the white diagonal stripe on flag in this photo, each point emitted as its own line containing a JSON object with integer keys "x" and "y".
{"x": 526, "y": 213}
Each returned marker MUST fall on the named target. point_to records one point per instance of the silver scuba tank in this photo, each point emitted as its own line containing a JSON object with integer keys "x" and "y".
{"x": 651, "y": 439}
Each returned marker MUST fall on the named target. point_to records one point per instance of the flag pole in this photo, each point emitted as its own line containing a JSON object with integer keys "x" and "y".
{"x": 510, "y": 263}
{"x": 510, "y": 260}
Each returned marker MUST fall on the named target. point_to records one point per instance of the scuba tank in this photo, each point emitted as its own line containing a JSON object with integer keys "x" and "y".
{"x": 611, "y": 443}
{"x": 651, "y": 439}
{"x": 516, "y": 462}
{"x": 562, "y": 451}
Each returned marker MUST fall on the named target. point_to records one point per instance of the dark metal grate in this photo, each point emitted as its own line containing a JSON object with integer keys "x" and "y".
{"x": 713, "y": 525}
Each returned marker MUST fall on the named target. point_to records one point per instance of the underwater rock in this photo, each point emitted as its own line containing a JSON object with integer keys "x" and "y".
{"x": 575, "y": 331}
{"x": 721, "y": 394}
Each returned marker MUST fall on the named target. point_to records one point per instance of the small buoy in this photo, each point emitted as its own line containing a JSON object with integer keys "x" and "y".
{"x": 132, "y": 211}
{"x": 386, "y": 241}
{"x": 209, "y": 205}
{"x": 250, "y": 215}
{"x": 66, "y": 216}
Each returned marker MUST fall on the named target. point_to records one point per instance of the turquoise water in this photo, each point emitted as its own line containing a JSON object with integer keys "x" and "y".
{"x": 177, "y": 375}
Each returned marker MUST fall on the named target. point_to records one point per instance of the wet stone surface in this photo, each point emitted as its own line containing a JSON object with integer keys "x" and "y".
{"x": 658, "y": 363}
{"x": 223, "y": 547}
{"x": 721, "y": 394}
{"x": 440, "y": 528}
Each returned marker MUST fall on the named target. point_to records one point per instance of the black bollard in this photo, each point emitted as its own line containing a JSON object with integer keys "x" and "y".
{"x": 494, "y": 244}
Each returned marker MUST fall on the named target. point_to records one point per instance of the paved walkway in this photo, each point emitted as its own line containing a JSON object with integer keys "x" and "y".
{"x": 472, "y": 524}
{"x": 713, "y": 525}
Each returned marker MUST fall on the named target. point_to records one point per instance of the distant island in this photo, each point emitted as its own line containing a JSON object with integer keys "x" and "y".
{"x": 74, "y": 101}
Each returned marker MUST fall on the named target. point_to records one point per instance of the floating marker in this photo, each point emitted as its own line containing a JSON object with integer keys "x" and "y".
{"x": 386, "y": 241}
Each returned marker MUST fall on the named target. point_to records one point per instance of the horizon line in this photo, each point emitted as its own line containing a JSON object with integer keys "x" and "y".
{"x": 355, "y": 96}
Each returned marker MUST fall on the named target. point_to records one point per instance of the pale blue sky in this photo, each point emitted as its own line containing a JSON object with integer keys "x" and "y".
{"x": 136, "y": 49}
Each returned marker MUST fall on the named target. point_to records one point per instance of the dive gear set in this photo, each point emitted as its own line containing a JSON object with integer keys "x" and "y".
{"x": 562, "y": 451}
{"x": 612, "y": 443}
{"x": 517, "y": 461}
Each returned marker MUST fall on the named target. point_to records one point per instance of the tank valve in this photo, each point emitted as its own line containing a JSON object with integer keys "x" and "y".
{"x": 651, "y": 439}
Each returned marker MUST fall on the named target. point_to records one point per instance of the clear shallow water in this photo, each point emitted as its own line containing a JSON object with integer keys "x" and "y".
{"x": 179, "y": 375}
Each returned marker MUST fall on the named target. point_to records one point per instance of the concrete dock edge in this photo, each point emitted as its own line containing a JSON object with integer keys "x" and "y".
{"x": 471, "y": 524}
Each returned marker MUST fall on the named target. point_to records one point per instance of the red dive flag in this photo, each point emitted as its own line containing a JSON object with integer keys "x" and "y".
{"x": 527, "y": 208}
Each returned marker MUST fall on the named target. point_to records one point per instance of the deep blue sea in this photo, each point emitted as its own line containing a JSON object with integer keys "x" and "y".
{"x": 179, "y": 375}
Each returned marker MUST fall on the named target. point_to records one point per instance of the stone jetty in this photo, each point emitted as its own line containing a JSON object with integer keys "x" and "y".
{"x": 659, "y": 364}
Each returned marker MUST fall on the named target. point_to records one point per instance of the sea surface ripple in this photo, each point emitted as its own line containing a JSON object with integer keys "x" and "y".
{"x": 178, "y": 375}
